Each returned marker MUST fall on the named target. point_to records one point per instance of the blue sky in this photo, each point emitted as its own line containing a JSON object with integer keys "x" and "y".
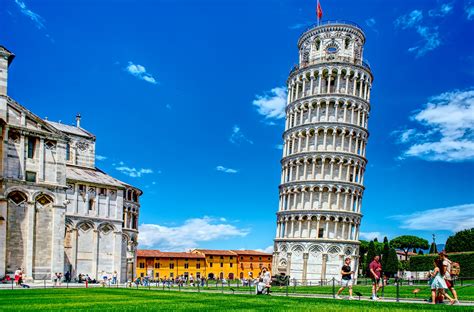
{"x": 186, "y": 101}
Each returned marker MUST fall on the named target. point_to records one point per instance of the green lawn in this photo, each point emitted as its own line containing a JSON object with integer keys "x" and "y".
{"x": 464, "y": 293}
{"x": 106, "y": 299}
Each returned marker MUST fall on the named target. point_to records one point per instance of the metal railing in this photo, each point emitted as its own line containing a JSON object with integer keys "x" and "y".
{"x": 334, "y": 22}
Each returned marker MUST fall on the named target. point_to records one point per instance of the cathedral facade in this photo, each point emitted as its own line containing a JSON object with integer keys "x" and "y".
{"x": 58, "y": 211}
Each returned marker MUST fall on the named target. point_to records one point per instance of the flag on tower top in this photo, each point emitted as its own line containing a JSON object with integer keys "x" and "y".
{"x": 319, "y": 11}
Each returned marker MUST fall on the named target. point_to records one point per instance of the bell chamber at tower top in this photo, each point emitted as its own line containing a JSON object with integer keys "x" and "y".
{"x": 332, "y": 42}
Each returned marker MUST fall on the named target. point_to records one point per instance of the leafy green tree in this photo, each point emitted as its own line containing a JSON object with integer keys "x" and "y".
{"x": 433, "y": 248}
{"x": 407, "y": 242}
{"x": 391, "y": 264}
{"x": 461, "y": 241}
{"x": 363, "y": 248}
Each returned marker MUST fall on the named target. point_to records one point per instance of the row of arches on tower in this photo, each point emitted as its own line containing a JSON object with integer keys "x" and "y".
{"x": 130, "y": 216}
{"x": 321, "y": 197}
{"x": 330, "y": 80}
{"x": 328, "y": 168}
{"x": 317, "y": 226}
{"x": 325, "y": 138}
{"x": 339, "y": 110}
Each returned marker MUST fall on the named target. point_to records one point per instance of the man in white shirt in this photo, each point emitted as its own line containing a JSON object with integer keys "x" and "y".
{"x": 447, "y": 275}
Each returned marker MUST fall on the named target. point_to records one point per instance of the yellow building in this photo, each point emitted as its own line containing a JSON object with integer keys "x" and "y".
{"x": 251, "y": 262}
{"x": 211, "y": 264}
{"x": 163, "y": 265}
{"x": 219, "y": 263}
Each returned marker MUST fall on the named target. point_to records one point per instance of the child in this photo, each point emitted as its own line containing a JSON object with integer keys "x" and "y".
{"x": 438, "y": 283}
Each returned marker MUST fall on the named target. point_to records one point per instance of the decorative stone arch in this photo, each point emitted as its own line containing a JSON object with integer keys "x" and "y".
{"x": 17, "y": 196}
{"x": 333, "y": 249}
{"x": 44, "y": 198}
{"x": 106, "y": 227}
{"x": 85, "y": 226}
{"x": 297, "y": 248}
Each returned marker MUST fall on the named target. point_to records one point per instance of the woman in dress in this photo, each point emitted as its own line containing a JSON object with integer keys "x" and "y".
{"x": 437, "y": 282}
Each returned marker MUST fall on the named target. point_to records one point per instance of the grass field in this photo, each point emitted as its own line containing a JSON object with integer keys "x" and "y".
{"x": 107, "y": 299}
{"x": 464, "y": 293}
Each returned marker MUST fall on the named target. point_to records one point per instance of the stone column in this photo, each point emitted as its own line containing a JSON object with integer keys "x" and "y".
{"x": 58, "y": 228}
{"x": 30, "y": 240}
{"x": 74, "y": 238}
{"x": 42, "y": 163}
{"x": 323, "y": 268}
{"x": 305, "y": 267}
{"x": 311, "y": 84}
{"x": 288, "y": 267}
{"x": 3, "y": 235}
{"x": 95, "y": 253}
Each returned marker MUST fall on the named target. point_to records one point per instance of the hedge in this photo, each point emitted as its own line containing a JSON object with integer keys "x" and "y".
{"x": 425, "y": 262}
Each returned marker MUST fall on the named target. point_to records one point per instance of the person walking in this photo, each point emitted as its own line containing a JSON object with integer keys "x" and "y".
{"x": 17, "y": 276}
{"x": 438, "y": 284}
{"x": 267, "y": 279}
{"x": 375, "y": 271}
{"x": 114, "y": 278}
{"x": 447, "y": 265}
{"x": 346, "y": 279}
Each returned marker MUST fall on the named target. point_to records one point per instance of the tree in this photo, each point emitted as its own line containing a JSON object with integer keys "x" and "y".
{"x": 420, "y": 252}
{"x": 433, "y": 248}
{"x": 363, "y": 248}
{"x": 391, "y": 264}
{"x": 385, "y": 252}
{"x": 461, "y": 241}
{"x": 371, "y": 252}
{"x": 407, "y": 242}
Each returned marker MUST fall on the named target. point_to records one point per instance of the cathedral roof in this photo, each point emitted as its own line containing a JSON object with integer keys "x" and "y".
{"x": 91, "y": 175}
{"x": 71, "y": 129}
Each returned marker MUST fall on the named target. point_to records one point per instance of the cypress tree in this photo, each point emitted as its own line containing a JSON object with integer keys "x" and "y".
{"x": 433, "y": 248}
{"x": 385, "y": 252}
{"x": 391, "y": 265}
{"x": 370, "y": 254}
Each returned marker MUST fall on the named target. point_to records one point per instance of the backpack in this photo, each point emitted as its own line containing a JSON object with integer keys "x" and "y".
{"x": 455, "y": 269}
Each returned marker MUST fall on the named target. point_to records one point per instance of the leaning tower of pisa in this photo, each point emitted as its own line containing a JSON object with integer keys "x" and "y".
{"x": 323, "y": 164}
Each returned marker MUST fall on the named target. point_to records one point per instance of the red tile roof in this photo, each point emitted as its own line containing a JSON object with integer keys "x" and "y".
{"x": 251, "y": 253}
{"x": 164, "y": 254}
{"x": 213, "y": 252}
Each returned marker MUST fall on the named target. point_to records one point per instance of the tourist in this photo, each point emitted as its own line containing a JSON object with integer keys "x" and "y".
{"x": 375, "y": 271}
{"x": 267, "y": 279}
{"x": 55, "y": 279}
{"x": 191, "y": 280}
{"x": 60, "y": 277}
{"x": 346, "y": 279}
{"x": 438, "y": 284}
{"x": 447, "y": 275}
{"x": 114, "y": 278}
{"x": 67, "y": 277}
{"x": 18, "y": 274}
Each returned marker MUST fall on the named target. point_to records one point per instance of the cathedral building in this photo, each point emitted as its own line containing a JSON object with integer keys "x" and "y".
{"x": 58, "y": 211}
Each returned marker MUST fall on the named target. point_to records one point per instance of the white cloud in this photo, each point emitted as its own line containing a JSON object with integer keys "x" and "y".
{"x": 429, "y": 34}
{"x": 453, "y": 219}
{"x": 133, "y": 172}
{"x": 268, "y": 249}
{"x": 442, "y": 11}
{"x": 409, "y": 20}
{"x": 226, "y": 170}
{"x": 368, "y": 236}
{"x": 140, "y": 72}
{"x": 279, "y": 146}
{"x": 188, "y": 235}
{"x": 447, "y": 121}
{"x": 272, "y": 104}
{"x": 36, "y": 18}
{"x": 238, "y": 137}
{"x": 469, "y": 8}
{"x": 100, "y": 157}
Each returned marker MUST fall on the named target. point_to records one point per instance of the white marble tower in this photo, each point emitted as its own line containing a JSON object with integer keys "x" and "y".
{"x": 323, "y": 160}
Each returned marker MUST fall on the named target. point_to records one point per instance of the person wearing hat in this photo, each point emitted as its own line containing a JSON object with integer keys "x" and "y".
{"x": 447, "y": 274}
{"x": 346, "y": 280}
